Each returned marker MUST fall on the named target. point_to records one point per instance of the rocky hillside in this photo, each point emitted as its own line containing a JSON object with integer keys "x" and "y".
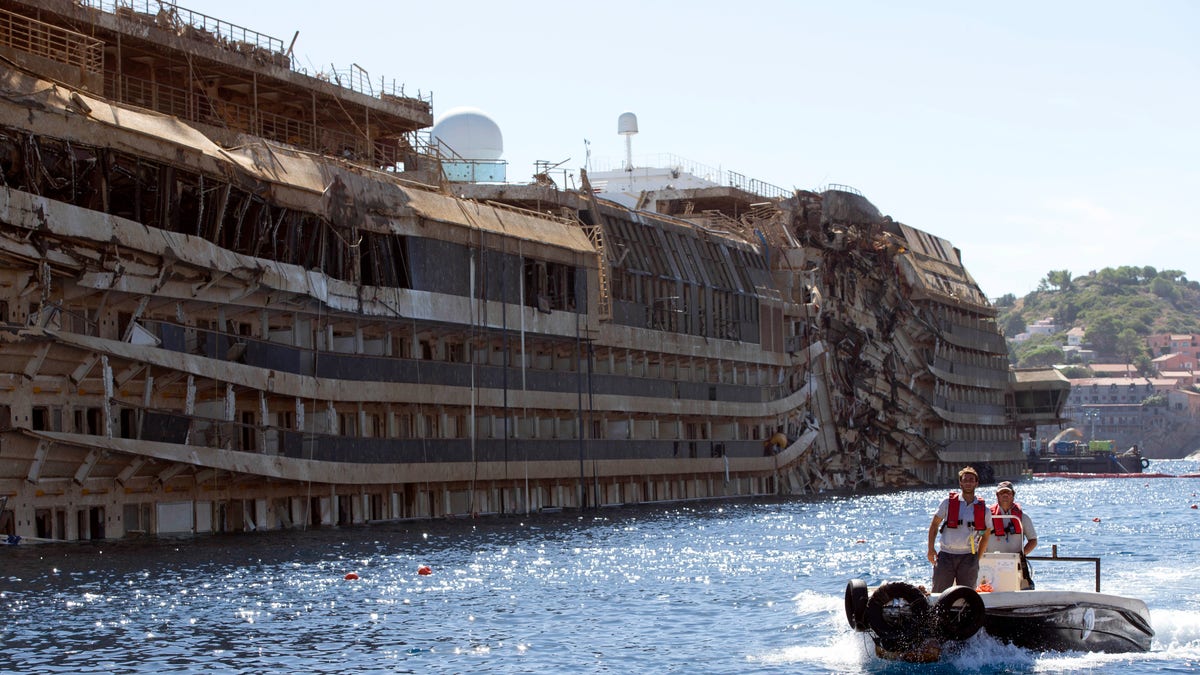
{"x": 1118, "y": 307}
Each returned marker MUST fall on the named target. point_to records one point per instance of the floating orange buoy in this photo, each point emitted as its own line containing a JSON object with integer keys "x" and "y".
{"x": 861, "y": 541}
{"x": 424, "y": 570}
{"x": 1193, "y": 506}
{"x": 351, "y": 576}
{"x": 1095, "y": 520}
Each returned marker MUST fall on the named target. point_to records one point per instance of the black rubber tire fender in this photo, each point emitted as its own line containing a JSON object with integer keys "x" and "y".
{"x": 856, "y": 604}
{"x": 1145, "y": 463}
{"x": 896, "y": 612}
{"x": 958, "y": 613}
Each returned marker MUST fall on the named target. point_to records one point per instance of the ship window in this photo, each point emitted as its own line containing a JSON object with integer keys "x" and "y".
{"x": 403, "y": 426}
{"x": 348, "y": 424}
{"x": 249, "y": 435}
{"x": 41, "y": 418}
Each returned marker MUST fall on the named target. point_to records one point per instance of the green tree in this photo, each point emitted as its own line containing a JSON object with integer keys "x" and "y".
{"x": 1077, "y": 372}
{"x": 1066, "y": 313}
{"x": 1155, "y": 400}
{"x": 1102, "y": 334}
{"x": 1129, "y": 345}
{"x": 1006, "y": 300}
{"x": 1164, "y": 289}
{"x": 1060, "y": 279}
{"x": 1013, "y": 324}
{"x": 1040, "y": 356}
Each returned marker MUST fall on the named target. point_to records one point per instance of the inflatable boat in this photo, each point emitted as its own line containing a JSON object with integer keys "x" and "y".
{"x": 908, "y": 624}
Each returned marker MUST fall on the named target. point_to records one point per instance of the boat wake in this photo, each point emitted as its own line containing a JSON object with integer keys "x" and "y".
{"x": 1177, "y": 630}
{"x": 847, "y": 652}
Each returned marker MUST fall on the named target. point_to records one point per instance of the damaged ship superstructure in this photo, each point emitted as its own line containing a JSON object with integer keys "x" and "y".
{"x": 239, "y": 297}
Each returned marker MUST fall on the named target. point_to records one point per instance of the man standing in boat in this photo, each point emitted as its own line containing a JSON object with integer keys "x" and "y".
{"x": 963, "y": 522}
{"x": 1012, "y": 528}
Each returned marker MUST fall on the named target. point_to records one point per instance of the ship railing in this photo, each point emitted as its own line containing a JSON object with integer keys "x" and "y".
{"x": 993, "y": 378}
{"x": 985, "y": 337}
{"x": 968, "y": 408}
{"x": 198, "y": 107}
{"x": 713, "y": 174}
{"x": 165, "y": 425}
{"x": 52, "y": 42}
{"x": 169, "y": 16}
{"x": 758, "y": 187}
{"x": 838, "y": 187}
{"x": 172, "y": 426}
{"x": 356, "y": 78}
{"x": 1038, "y": 408}
{"x": 259, "y": 46}
{"x": 1054, "y": 557}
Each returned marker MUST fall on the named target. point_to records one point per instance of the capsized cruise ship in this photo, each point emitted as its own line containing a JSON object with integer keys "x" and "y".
{"x": 237, "y": 296}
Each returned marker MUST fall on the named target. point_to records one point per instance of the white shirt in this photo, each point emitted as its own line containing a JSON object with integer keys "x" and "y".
{"x": 959, "y": 539}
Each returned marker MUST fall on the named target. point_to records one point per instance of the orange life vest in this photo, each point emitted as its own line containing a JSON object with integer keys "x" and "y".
{"x": 979, "y": 522}
{"x": 998, "y": 525}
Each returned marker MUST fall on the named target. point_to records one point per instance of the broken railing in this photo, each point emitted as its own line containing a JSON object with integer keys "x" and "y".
{"x": 170, "y": 16}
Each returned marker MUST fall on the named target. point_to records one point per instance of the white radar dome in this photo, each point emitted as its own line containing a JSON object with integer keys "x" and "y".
{"x": 627, "y": 124}
{"x": 470, "y": 133}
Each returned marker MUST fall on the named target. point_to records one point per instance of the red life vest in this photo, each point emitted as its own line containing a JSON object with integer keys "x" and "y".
{"x": 998, "y": 522}
{"x": 980, "y": 519}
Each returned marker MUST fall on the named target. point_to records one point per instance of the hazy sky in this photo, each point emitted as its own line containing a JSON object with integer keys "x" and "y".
{"x": 1035, "y": 136}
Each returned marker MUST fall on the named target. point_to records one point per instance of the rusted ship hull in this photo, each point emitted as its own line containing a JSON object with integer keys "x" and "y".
{"x": 221, "y": 313}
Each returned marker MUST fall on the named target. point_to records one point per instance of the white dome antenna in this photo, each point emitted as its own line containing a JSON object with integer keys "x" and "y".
{"x": 470, "y": 133}
{"x": 470, "y": 145}
{"x": 627, "y": 127}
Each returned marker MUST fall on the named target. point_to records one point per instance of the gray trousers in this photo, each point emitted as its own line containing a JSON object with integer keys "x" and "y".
{"x": 955, "y": 569}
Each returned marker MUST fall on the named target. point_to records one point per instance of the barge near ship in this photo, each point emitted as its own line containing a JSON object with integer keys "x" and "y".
{"x": 1094, "y": 458}
{"x": 235, "y": 296}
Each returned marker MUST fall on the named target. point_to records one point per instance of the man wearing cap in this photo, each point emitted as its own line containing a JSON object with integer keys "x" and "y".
{"x": 963, "y": 522}
{"x": 1012, "y": 529}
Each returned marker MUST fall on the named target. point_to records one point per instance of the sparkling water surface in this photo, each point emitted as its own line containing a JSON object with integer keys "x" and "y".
{"x": 709, "y": 587}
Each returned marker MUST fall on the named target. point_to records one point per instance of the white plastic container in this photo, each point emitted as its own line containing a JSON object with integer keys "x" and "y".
{"x": 1001, "y": 571}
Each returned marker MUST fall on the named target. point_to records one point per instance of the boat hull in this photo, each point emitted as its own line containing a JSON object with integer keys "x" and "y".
{"x": 1068, "y": 621}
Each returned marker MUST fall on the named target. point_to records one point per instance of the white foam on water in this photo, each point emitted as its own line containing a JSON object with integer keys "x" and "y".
{"x": 847, "y": 652}
{"x": 1176, "y": 632}
{"x": 809, "y": 602}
